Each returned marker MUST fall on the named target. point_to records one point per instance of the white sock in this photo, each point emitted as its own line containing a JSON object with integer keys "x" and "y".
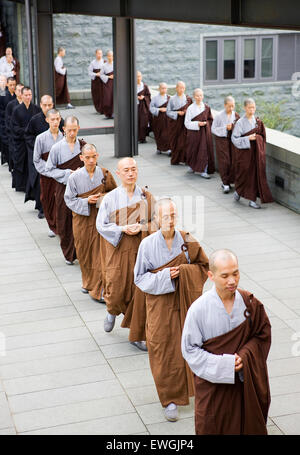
{"x": 171, "y": 406}
{"x": 110, "y": 317}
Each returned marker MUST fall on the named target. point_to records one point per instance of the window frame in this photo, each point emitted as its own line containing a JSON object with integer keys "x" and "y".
{"x": 211, "y": 81}
{"x": 239, "y": 59}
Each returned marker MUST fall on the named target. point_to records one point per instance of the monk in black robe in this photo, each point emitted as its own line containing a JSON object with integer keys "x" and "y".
{"x": 19, "y": 121}
{"x": 8, "y": 113}
{"x": 4, "y": 100}
{"x": 36, "y": 126}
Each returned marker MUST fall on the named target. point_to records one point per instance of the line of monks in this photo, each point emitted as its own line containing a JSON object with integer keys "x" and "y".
{"x": 136, "y": 261}
{"x": 184, "y": 129}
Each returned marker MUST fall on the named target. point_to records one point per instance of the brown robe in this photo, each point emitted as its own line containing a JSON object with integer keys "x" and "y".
{"x": 87, "y": 240}
{"x": 144, "y": 113}
{"x": 63, "y": 213}
{"x": 160, "y": 129}
{"x": 48, "y": 187}
{"x": 62, "y": 95}
{"x": 225, "y": 155}
{"x": 120, "y": 293}
{"x": 199, "y": 146}
{"x": 165, "y": 316}
{"x": 250, "y": 167}
{"x": 108, "y": 97}
{"x": 240, "y": 408}
{"x": 177, "y": 135}
{"x": 97, "y": 92}
{"x": 17, "y": 70}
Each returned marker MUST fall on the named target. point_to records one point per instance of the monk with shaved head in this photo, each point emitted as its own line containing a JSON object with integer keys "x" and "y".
{"x": 107, "y": 78}
{"x": 171, "y": 269}
{"x": 158, "y": 109}
{"x": 85, "y": 189}
{"x": 63, "y": 160}
{"x": 226, "y": 341}
{"x": 176, "y": 110}
{"x": 123, "y": 220}
{"x": 143, "y": 101}
{"x": 36, "y": 126}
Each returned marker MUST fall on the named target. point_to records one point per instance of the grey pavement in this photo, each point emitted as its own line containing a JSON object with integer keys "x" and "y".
{"x": 61, "y": 374}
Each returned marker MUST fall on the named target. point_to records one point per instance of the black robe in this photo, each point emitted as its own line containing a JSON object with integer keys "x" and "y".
{"x": 4, "y": 100}
{"x": 36, "y": 126}
{"x": 8, "y": 113}
{"x": 19, "y": 121}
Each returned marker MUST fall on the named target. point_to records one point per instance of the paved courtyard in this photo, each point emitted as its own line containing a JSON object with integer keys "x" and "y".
{"x": 61, "y": 374}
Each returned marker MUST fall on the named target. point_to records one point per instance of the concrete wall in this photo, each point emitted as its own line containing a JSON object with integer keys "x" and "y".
{"x": 283, "y": 160}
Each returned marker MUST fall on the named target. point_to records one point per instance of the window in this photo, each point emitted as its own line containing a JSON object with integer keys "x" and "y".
{"x": 249, "y": 58}
{"x": 211, "y": 60}
{"x": 229, "y": 59}
{"x": 244, "y": 58}
{"x": 267, "y": 57}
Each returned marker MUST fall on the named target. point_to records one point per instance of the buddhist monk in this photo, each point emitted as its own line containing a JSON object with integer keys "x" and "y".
{"x": 222, "y": 127}
{"x": 158, "y": 109}
{"x": 123, "y": 220}
{"x": 107, "y": 76}
{"x": 62, "y": 95}
{"x": 8, "y": 113}
{"x": 85, "y": 189}
{"x": 143, "y": 101}
{"x": 226, "y": 340}
{"x": 176, "y": 110}
{"x": 36, "y": 126}
{"x": 94, "y": 69}
{"x": 42, "y": 147}
{"x": 5, "y": 98}
{"x": 3, "y": 87}
{"x": 249, "y": 140}
{"x": 199, "y": 145}
{"x": 63, "y": 160}
{"x": 171, "y": 268}
{"x": 19, "y": 120}
{"x": 9, "y": 65}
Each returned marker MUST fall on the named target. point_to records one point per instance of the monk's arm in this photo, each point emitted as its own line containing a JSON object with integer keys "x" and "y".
{"x": 75, "y": 203}
{"x": 153, "y": 283}
{"x": 60, "y": 175}
{"x": 219, "y": 369}
{"x": 110, "y": 231}
{"x": 237, "y": 139}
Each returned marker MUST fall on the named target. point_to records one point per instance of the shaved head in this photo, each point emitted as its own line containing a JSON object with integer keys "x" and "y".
{"x": 180, "y": 83}
{"x": 70, "y": 119}
{"x": 164, "y": 203}
{"x": 125, "y": 162}
{"x": 46, "y": 99}
{"x": 220, "y": 258}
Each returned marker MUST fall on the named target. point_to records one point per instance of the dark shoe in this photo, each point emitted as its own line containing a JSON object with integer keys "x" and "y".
{"x": 41, "y": 215}
{"x": 140, "y": 345}
{"x": 109, "y": 325}
{"x": 84, "y": 291}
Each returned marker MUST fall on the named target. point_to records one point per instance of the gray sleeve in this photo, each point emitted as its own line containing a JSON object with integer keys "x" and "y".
{"x": 38, "y": 162}
{"x": 75, "y": 203}
{"x": 219, "y": 369}
{"x": 153, "y": 109}
{"x": 60, "y": 175}
{"x": 110, "y": 231}
{"x": 237, "y": 140}
{"x": 218, "y": 128}
{"x": 152, "y": 283}
{"x": 91, "y": 72}
{"x": 103, "y": 76}
{"x": 188, "y": 123}
{"x": 172, "y": 114}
